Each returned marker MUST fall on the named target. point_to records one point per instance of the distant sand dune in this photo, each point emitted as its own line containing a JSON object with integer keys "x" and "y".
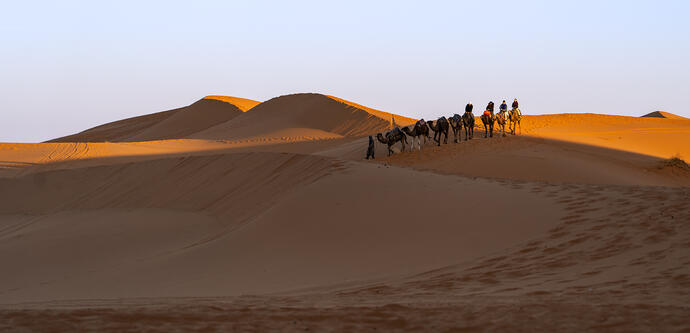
{"x": 173, "y": 124}
{"x": 662, "y": 114}
{"x": 651, "y": 136}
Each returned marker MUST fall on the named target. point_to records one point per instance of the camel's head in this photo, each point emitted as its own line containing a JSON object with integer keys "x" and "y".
{"x": 380, "y": 137}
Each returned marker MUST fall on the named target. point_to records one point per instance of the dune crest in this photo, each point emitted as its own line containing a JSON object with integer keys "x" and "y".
{"x": 243, "y": 104}
{"x": 398, "y": 119}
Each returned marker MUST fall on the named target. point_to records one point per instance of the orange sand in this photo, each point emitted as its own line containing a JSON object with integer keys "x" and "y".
{"x": 271, "y": 220}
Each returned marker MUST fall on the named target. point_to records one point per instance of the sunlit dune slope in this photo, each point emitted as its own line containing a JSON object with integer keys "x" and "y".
{"x": 304, "y": 115}
{"x": 22, "y": 158}
{"x": 650, "y": 136}
{"x": 173, "y": 124}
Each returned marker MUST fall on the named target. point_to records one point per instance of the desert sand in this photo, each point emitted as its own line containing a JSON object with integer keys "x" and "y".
{"x": 230, "y": 214}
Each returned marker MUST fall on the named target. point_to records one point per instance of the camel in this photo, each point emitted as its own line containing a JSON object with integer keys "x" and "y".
{"x": 419, "y": 130}
{"x": 468, "y": 123}
{"x": 501, "y": 119}
{"x": 488, "y": 120}
{"x": 391, "y": 138}
{"x": 514, "y": 117}
{"x": 440, "y": 127}
{"x": 456, "y": 124}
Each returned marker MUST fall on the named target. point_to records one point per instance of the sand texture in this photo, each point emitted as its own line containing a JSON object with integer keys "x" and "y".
{"x": 230, "y": 214}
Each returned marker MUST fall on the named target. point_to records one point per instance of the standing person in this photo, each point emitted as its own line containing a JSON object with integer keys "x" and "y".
{"x": 503, "y": 107}
{"x": 370, "y": 150}
{"x": 468, "y": 107}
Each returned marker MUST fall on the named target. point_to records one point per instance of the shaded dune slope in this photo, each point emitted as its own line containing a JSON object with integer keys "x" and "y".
{"x": 173, "y": 124}
{"x": 304, "y": 116}
{"x": 215, "y": 184}
{"x": 239, "y": 223}
{"x": 662, "y": 114}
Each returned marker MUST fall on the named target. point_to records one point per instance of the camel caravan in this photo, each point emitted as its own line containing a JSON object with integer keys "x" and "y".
{"x": 421, "y": 130}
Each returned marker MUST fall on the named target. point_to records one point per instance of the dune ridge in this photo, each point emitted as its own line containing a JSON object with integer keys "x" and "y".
{"x": 243, "y": 104}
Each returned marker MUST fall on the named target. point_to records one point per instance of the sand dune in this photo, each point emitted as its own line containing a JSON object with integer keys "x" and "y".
{"x": 252, "y": 234}
{"x": 650, "y": 136}
{"x": 543, "y": 160}
{"x": 173, "y": 124}
{"x": 331, "y": 116}
{"x": 662, "y": 114}
{"x": 271, "y": 219}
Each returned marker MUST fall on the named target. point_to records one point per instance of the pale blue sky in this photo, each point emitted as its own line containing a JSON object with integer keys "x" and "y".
{"x": 69, "y": 65}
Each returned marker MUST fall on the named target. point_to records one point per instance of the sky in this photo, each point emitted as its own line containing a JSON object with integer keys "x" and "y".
{"x": 66, "y": 66}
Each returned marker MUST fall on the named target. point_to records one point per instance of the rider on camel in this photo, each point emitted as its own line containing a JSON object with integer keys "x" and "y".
{"x": 503, "y": 107}
{"x": 489, "y": 109}
{"x": 515, "y": 107}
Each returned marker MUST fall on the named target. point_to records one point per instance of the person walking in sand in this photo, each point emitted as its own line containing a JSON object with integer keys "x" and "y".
{"x": 370, "y": 150}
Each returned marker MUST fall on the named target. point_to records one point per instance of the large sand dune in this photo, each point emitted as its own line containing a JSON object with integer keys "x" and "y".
{"x": 273, "y": 220}
{"x": 300, "y": 116}
{"x": 174, "y": 124}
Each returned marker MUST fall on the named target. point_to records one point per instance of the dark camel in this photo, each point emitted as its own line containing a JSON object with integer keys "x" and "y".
{"x": 419, "y": 130}
{"x": 488, "y": 121}
{"x": 391, "y": 138}
{"x": 468, "y": 123}
{"x": 440, "y": 127}
{"x": 456, "y": 124}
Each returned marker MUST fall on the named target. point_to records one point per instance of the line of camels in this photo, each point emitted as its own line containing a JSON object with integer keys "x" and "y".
{"x": 420, "y": 130}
